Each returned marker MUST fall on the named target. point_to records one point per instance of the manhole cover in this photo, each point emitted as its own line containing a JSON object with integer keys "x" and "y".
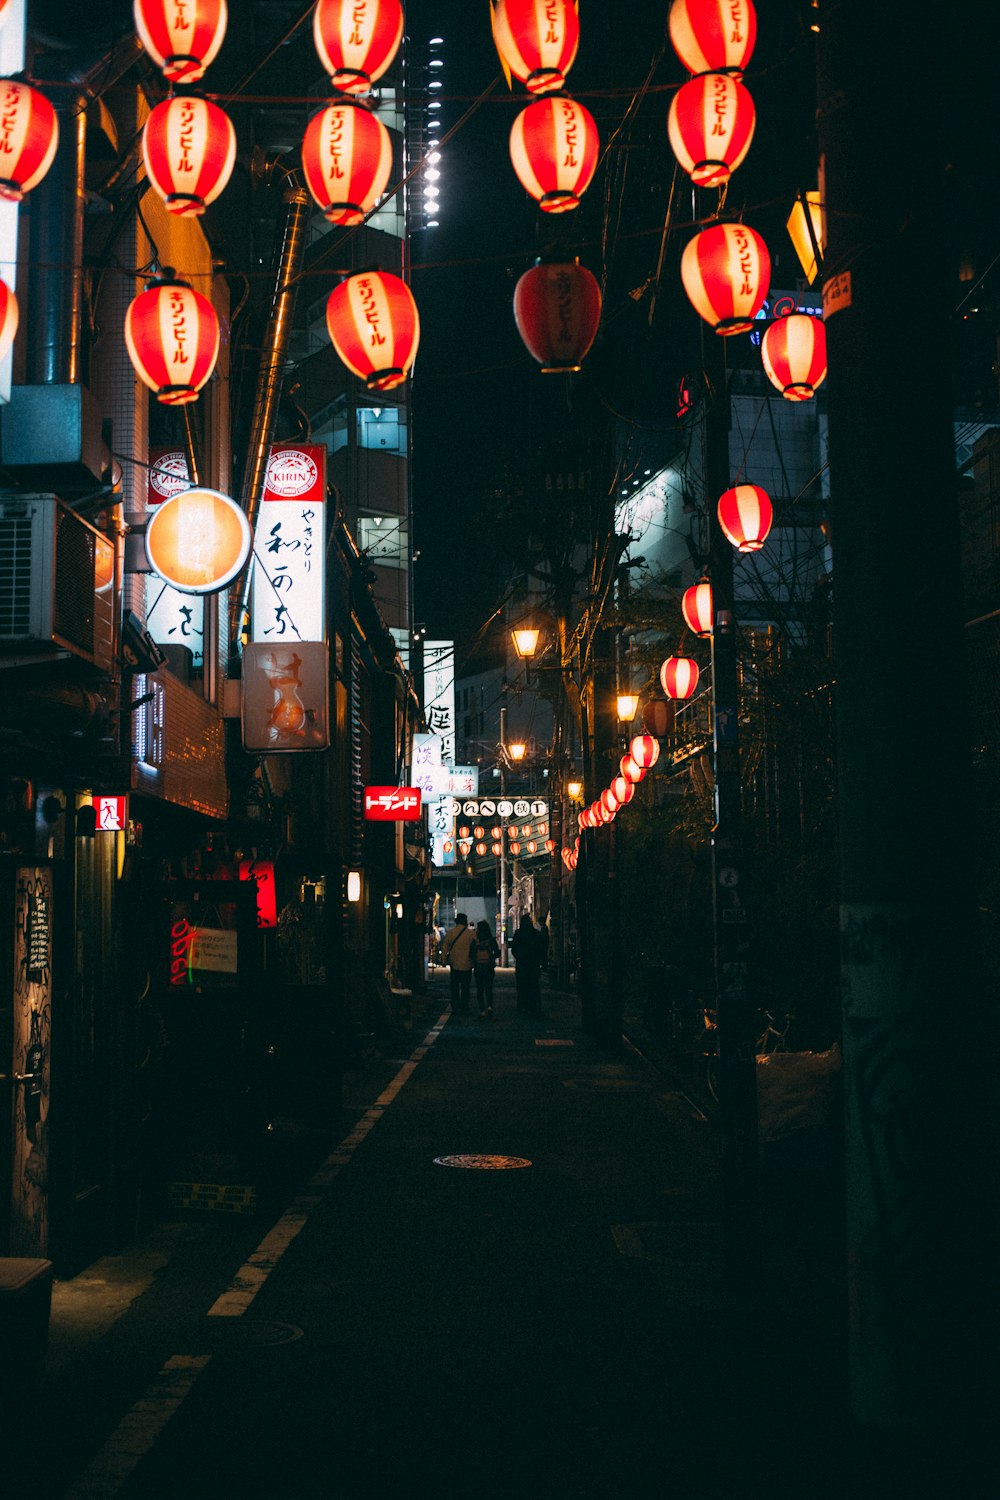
{"x": 552, "y": 1041}
{"x": 482, "y": 1163}
{"x": 250, "y": 1333}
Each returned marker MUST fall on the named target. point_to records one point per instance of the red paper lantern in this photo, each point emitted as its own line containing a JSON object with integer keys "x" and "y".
{"x": 745, "y": 515}
{"x": 554, "y": 146}
{"x": 479, "y": 833}
{"x": 630, "y": 770}
{"x": 357, "y": 40}
{"x": 181, "y": 36}
{"x": 679, "y": 676}
{"x": 645, "y": 751}
{"x": 465, "y": 832}
{"x": 481, "y": 848}
{"x": 726, "y": 271}
{"x": 537, "y": 40}
{"x": 557, "y": 308}
{"x": 189, "y": 147}
{"x": 550, "y": 845}
{"x": 711, "y": 125}
{"x": 623, "y": 789}
{"x": 29, "y": 136}
{"x": 696, "y": 607}
{"x": 573, "y": 858}
{"x": 713, "y": 36}
{"x": 8, "y": 317}
{"x": 794, "y": 353}
{"x": 373, "y": 324}
{"x": 658, "y": 717}
{"x": 515, "y": 848}
{"x": 346, "y": 160}
{"x": 172, "y": 336}
{"x": 496, "y": 848}
{"x": 609, "y": 802}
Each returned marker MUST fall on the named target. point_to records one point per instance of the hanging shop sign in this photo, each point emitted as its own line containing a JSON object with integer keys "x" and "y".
{"x": 261, "y": 872}
{"x": 392, "y": 804}
{"x": 290, "y": 547}
{"x": 167, "y": 475}
{"x": 198, "y": 541}
{"x": 469, "y": 809}
{"x": 439, "y": 695}
{"x": 110, "y": 813}
{"x": 286, "y": 696}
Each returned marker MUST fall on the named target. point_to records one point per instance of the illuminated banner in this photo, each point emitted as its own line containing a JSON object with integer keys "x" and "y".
{"x": 110, "y": 814}
{"x": 261, "y": 872}
{"x": 290, "y": 547}
{"x": 175, "y": 619}
{"x": 439, "y": 694}
{"x": 392, "y": 804}
{"x": 286, "y": 696}
{"x": 197, "y": 541}
{"x": 473, "y": 809}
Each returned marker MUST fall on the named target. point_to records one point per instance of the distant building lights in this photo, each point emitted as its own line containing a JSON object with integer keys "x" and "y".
{"x": 436, "y": 84}
{"x": 434, "y": 158}
{"x": 432, "y": 174}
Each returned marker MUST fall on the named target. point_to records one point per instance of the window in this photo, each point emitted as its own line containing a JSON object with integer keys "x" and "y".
{"x": 380, "y": 427}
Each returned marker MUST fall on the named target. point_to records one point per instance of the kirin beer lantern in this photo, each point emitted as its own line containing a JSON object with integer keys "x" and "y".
{"x": 793, "y": 351}
{"x": 557, "y": 308}
{"x": 188, "y": 147}
{"x": 181, "y": 36}
{"x": 374, "y": 326}
{"x": 746, "y": 514}
{"x": 172, "y": 336}
{"x": 710, "y": 125}
{"x": 346, "y": 161}
{"x": 537, "y": 41}
{"x": 726, "y": 271}
{"x": 713, "y": 36}
{"x": 554, "y": 146}
{"x": 356, "y": 43}
{"x": 29, "y": 136}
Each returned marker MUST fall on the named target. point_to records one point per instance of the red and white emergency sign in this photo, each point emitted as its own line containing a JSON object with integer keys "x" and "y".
{"x": 110, "y": 814}
{"x": 392, "y": 804}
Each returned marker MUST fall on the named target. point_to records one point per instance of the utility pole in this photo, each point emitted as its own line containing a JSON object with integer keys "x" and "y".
{"x": 502, "y": 935}
{"x": 920, "y": 1130}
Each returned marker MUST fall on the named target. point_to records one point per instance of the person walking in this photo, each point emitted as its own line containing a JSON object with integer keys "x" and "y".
{"x": 457, "y": 950}
{"x": 486, "y": 955}
{"x": 528, "y": 948}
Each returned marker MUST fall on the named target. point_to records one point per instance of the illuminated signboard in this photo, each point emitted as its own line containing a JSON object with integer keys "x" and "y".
{"x": 290, "y": 547}
{"x": 110, "y": 814}
{"x": 286, "y": 696}
{"x": 197, "y": 541}
{"x": 167, "y": 475}
{"x": 439, "y": 694}
{"x": 392, "y": 804}
{"x": 261, "y": 872}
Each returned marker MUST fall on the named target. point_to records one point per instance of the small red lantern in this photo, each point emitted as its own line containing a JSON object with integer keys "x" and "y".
{"x": 465, "y": 832}
{"x": 696, "y": 607}
{"x": 496, "y": 848}
{"x": 573, "y": 858}
{"x": 189, "y": 147}
{"x": 609, "y": 802}
{"x": 726, "y": 271}
{"x": 464, "y": 848}
{"x": 374, "y": 326}
{"x": 623, "y": 789}
{"x": 713, "y": 36}
{"x": 8, "y": 317}
{"x": 537, "y": 41}
{"x": 679, "y": 676}
{"x": 479, "y": 833}
{"x": 554, "y": 147}
{"x": 550, "y": 845}
{"x": 645, "y": 751}
{"x": 630, "y": 770}
{"x": 356, "y": 42}
{"x": 658, "y": 717}
{"x": 746, "y": 515}
{"x": 346, "y": 160}
{"x": 481, "y": 848}
{"x": 496, "y": 832}
{"x": 30, "y": 135}
{"x": 711, "y": 125}
{"x": 515, "y": 848}
{"x": 181, "y": 36}
{"x": 794, "y": 353}
{"x": 557, "y": 308}
{"x": 172, "y": 336}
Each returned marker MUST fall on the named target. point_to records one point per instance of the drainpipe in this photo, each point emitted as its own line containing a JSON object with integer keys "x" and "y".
{"x": 291, "y": 247}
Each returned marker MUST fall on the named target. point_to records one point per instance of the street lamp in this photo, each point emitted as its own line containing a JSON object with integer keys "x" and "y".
{"x": 517, "y": 750}
{"x": 525, "y": 643}
{"x": 627, "y": 705}
{"x": 574, "y": 790}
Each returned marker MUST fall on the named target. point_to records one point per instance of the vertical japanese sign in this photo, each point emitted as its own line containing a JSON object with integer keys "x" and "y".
{"x": 29, "y": 1065}
{"x": 286, "y": 696}
{"x": 439, "y": 695}
{"x": 172, "y": 618}
{"x": 290, "y": 547}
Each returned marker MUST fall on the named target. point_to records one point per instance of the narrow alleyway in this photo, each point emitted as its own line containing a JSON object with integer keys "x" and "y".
{"x": 411, "y": 1325}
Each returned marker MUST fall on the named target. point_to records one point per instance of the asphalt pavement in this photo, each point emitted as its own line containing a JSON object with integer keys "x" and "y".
{"x": 502, "y": 1276}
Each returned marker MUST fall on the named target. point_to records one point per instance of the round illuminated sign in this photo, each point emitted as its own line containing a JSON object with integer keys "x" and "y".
{"x": 198, "y": 541}
{"x": 291, "y": 472}
{"x": 168, "y": 476}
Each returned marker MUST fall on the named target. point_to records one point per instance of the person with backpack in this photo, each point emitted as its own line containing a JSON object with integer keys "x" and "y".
{"x": 486, "y": 954}
{"x": 457, "y": 950}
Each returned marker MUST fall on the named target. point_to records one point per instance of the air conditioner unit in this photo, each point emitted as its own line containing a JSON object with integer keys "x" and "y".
{"x": 56, "y": 580}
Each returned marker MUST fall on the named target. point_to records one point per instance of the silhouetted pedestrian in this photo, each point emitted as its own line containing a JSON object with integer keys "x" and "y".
{"x": 486, "y": 954}
{"x": 528, "y": 948}
{"x": 457, "y": 950}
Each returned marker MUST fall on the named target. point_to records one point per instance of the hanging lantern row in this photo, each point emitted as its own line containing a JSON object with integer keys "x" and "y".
{"x": 554, "y": 147}
{"x": 537, "y": 41}
{"x": 642, "y": 755}
{"x": 181, "y": 36}
{"x": 31, "y": 136}
{"x": 356, "y": 42}
{"x": 710, "y": 126}
{"x": 557, "y": 309}
{"x": 713, "y": 36}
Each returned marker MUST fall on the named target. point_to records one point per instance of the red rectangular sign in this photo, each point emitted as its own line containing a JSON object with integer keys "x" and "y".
{"x": 110, "y": 814}
{"x": 261, "y": 872}
{"x": 392, "y": 804}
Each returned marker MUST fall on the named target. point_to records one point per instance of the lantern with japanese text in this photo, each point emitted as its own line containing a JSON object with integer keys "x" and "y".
{"x": 346, "y": 160}
{"x": 745, "y": 515}
{"x": 645, "y": 751}
{"x": 557, "y": 308}
{"x": 696, "y": 607}
{"x": 658, "y": 717}
{"x": 554, "y": 146}
{"x": 711, "y": 125}
{"x": 188, "y": 147}
{"x": 181, "y": 36}
{"x": 172, "y": 336}
{"x": 713, "y": 36}
{"x": 630, "y": 770}
{"x": 679, "y": 676}
{"x": 356, "y": 40}
{"x": 8, "y": 317}
{"x": 28, "y": 139}
{"x": 623, "y": 789}
{"x": 537, "y": 41}
{"x": 793, "y": 351}
{"x": 726, "y": 271}
{"x": 373, "y": 324}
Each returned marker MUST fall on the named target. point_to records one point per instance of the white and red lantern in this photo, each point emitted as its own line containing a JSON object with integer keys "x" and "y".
{"x": 696, "y": 607}
{"x": 713, "y": 36}
{"x": 346, "y": 160}
{"x": 374, "y": 326}
{"x": 29, "y": 135}
{"x": 658, "y": 717}
{"x": 8, "y": 317}
{"x": 181, "y": 36}
{"x": 557, "y": 308}
{"x": 630, "y": 770}
{"x": 645, "y": 751}
{"x": 794, "y": 354}
{"x": 746, "y": 516}
{"x": 679, "y": 676}
{"x": 189, "y": 148}
{"x": 726, "y": 271}
{"x": 623, "y": 790}
{"x": 172, "y": 336}
{"x": 609, "y": 802}
{"x": 356, "y": 40}
{"x": 550, "y": 845}
{"x": 554, "y": 147}
{"x": 711, "y": 125}
{"x": 537, "y": 41}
